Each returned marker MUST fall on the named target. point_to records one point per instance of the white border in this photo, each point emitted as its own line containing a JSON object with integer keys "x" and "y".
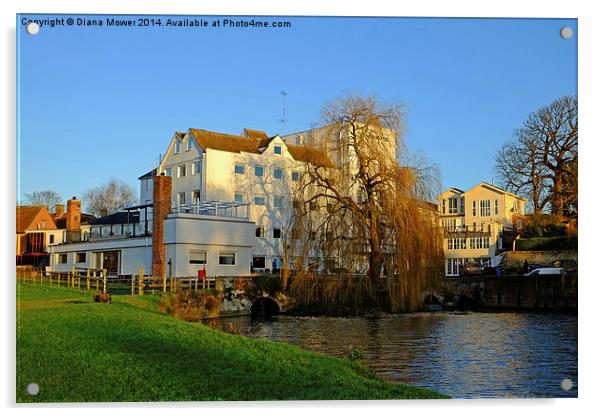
{"x": 590, "y": 69}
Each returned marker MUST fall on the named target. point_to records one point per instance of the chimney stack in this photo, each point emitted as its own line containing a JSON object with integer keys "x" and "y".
{"x": 73, "y": 219}
{"x": 161, "y": 208}
{"x": 59, "y": 209}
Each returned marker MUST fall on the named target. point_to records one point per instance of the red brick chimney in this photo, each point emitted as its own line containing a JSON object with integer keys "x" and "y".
{"x": 161, "y": 207}
{"x": 73, "y": 219}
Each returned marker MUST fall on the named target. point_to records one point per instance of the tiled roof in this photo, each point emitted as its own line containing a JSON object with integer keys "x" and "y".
{"x": 61, "y": 220}
{"x": 236, "y": 144}
{"x": 225, "y": 142}
{"x": 26, "y": 215}
{"x": 255, "y": 134}
{"x": 311, "y": 155}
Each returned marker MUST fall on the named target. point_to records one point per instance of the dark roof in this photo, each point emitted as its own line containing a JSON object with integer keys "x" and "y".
{"x": 61, "y": 220}
{"x": 117, "y": 218}
{"x": 149, "y": 175}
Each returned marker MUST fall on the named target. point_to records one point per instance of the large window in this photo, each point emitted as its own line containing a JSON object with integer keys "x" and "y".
{"x": 239, "y": 168}
{"x": 177, "y": 147}
{"x": 443, "y": 206}
{"x": 474, "y": 208}
{"x": 495, "y": 207}
{"x": 80, "y": 257}
{"x": 181, "y": 171}
{"x": 453, "y": 205}
{"x": 195, "y": 168}
{"x": 227, "y": 258}
{"x": 189, "y": 144}
{"x": 61, "y": 258}
{"x": 198, "y": 257}
{"x": 485, "y": 206}
{"x": 168, "y": 172}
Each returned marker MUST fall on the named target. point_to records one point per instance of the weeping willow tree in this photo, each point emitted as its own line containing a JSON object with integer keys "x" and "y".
{"x": 358, "y": 212}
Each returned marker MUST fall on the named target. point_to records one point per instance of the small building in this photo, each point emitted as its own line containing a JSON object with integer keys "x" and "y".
{"x": 33, "y": 225}
{"x": 164, "y": 240}
{"x": 474, "y": 224}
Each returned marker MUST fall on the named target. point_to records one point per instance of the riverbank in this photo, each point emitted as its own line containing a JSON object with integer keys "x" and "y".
{"x": 80, "y": 351}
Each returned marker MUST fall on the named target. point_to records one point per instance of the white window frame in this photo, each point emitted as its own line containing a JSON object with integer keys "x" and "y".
{"x": 197, "y": 261}
{"x": 181, "y": 196}
{"x": 188, "y": 145}
{"x": 176, "y": 148}
{"x": 224, "y": 254}
{"x": 192, "y": 198}
{"x": 195, "y": 168}
{"x": 181, "y": 171}
{"x": 274, "y": 231}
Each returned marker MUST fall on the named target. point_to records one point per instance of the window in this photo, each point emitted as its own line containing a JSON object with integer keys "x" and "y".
{"x": 474, "y": 208}
{"x": 198, "y": 257}
{"x": 295, "y": 176}
{"x": 181, "y": 171}
{"x": 177, "y": 147}
{"x": 298, "y": 140}
{"x": 260, "y": 200}
{"x": 462, "y": 205}
{"x": 188, "y": 144}
{"x": 278, "y": 202}
{"x": 168, "y": 172}
{"x": 195, "y": 168}
{"x": 240, "y": 169}
{"x": 181, "y": 198}
{"x": 227, "y": 258}
{"x": 277, "y": 232}
{"x": 260, "y": 231}
{"x": 61, "y": 258}
{"x": 80, "y": 257}
{"x": 149, "y": 184}
{"x": 51, "y": 239}
{"x": 278, "y": 173}
{"x": 485, "y": 206}
{"x": 495, "y": 207}
{"x": 313, "y": 206}
{"x": 239, "y": 197}
{"x": 278, "y": 150}
{"x": 196, "y": 196}
{"x": 453, "y": 205}
{"x": 443, "y": 206}
{"x": 259, "y": 170}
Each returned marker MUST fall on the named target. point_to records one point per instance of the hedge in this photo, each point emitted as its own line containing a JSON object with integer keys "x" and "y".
{"x": 546, "y": 243}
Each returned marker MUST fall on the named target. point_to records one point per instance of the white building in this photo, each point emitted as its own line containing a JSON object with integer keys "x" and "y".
{"x": 474, "y": 223}
{"x": 251, "y": 169}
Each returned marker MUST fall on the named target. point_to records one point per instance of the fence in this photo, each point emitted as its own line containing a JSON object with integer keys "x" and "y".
{"x": 97, "y": 280}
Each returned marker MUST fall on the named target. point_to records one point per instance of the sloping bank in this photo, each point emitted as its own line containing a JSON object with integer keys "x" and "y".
{"x": 77, "y": 350}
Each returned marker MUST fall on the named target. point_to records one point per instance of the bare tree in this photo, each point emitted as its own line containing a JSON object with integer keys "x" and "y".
{"x": 110, "y": 198}
{"x": 539, "y": 161}
{"x": 44, "y": 198}
{"x": 365, "y": 212}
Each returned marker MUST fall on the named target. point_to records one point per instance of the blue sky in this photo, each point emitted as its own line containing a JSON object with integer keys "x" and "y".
{"x": 101, "y": 102}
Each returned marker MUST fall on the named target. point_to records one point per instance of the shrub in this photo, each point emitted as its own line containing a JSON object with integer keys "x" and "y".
{"x": 546, "y": 243}
{"x": 189, "y": 305}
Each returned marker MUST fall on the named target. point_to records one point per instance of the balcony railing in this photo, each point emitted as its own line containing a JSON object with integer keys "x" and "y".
{"x": 464, "y": 231}
{"x": 214, "y": 208}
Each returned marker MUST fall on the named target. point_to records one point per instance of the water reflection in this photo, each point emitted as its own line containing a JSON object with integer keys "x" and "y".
{"x": 465, "y": 355}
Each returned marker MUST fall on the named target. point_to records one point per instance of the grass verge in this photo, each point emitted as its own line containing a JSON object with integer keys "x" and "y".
{"x": 80, "y": 351}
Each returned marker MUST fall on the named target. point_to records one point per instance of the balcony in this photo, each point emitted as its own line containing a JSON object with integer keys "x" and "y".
{"x": 465, "y": 232}
{"x": 214, "y": 209}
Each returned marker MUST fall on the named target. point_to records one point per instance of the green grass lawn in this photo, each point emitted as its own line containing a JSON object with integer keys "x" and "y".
{"x": 77, "y": 350}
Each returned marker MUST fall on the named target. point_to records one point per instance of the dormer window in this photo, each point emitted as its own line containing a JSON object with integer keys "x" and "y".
{"x": 177, "y": 147}
{"x": 188, "y": 144}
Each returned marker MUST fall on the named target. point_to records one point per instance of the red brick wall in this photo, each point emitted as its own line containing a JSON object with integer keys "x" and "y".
{"x": 161, "y": 207}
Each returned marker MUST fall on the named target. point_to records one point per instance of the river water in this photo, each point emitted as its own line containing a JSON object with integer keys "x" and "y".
{"x": 464, "y": 355}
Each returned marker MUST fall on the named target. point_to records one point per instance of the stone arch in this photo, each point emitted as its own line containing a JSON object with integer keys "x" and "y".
{"x": 264, "y": 306}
